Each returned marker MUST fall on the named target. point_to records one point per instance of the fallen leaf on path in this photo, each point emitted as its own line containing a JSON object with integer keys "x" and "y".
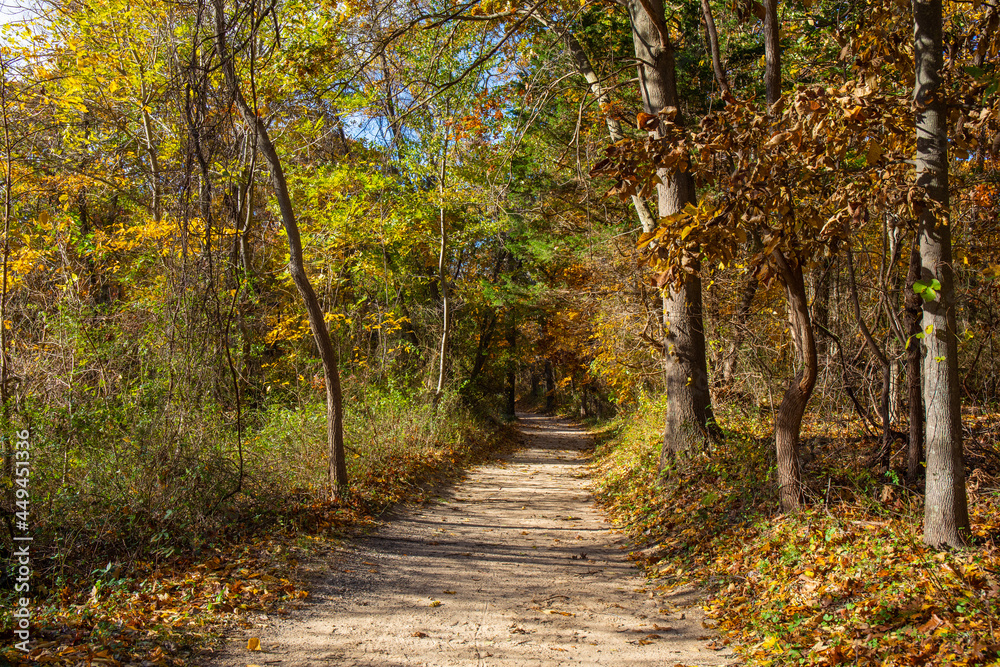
{"x": 449, "y": 592}
{"x": 419, "y": 634}
{"x": 253, "y": 644}
{"x": 556, "y": 611}
{"x": 435, "y": 603}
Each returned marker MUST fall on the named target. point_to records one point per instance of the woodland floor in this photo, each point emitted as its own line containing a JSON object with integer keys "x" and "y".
{"x": 514, "y": 565}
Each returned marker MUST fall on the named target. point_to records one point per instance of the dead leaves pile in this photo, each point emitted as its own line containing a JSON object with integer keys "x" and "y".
{"x": 160, "y": 617}
{"x": 847, "y": 582}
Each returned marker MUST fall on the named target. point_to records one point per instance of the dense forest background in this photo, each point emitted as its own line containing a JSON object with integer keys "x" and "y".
{"x": 269, "y": 265}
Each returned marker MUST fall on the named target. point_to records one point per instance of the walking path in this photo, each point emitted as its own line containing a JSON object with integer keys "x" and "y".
{"x": 513, "y": 566}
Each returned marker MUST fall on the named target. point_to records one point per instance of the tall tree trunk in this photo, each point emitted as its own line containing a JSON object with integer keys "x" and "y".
{"x": 443, "y": 275}
{"x": 154, "y": 162}
{"x": 772, "y": 52}
{"x": 946, "y": 514}
{"x": 713, "y": 48}
{"x": 328, "y": 355}
{"x": 788, "y": 421}
{"x": 914, "y": 387}
{"x": 689, "y": 421}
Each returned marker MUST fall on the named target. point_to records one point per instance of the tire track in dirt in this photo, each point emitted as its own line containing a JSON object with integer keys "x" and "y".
{"x": 513, "y": 566}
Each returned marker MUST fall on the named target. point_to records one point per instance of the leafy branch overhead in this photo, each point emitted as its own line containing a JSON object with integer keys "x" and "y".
{"x": 798, "y": 183}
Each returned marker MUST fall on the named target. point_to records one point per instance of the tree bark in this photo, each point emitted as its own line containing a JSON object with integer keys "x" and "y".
{"x": 443, "y": 276}
{"x": 328, "y": 355}
{"x": 689, "y": 421}
{"x": 713, "y": 48}
{"x": 914, "y": 387}
{"x": 822, "y": 278}
{"x": 946, "y": 515}
{"x": 788, "y": 421}
{"x": 772, "y": 52}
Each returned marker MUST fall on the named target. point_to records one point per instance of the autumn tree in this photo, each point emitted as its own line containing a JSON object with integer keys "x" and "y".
{"x": 946, "y": 515}
{"x": 689, "y": 418}
{"x": 251, "y": 115}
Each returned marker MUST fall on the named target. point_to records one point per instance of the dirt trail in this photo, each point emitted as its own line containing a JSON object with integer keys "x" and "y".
{"x": 513, "y": 566}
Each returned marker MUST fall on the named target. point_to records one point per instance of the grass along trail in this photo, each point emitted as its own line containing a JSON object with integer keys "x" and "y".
{"x": 512, "y": 566}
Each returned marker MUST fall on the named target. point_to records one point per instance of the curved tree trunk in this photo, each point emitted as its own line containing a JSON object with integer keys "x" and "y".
{"x": 689, "y": 421}
{"x": 296, "y": 267}
{"x": 946, "y": 514}
{"x": 713, "y": 48}
{"x": 788, "y": 421}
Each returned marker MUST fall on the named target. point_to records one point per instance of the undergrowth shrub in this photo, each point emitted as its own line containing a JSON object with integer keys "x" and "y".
{"x": 164, "y": 482}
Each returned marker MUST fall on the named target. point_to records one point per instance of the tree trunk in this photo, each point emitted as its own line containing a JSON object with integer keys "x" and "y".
{"x": 914, "y": 311}
{"x": 713, "y": 48}
{"x": 443, "y": 276}
{"x": 689, "y": 421}
{"x": 946, "y": 515}
{"x": 154, "y": 162}
{"x": 772, "y": 52}
{"x": 328, "y": 355}
{"x": 788, "y": 421}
